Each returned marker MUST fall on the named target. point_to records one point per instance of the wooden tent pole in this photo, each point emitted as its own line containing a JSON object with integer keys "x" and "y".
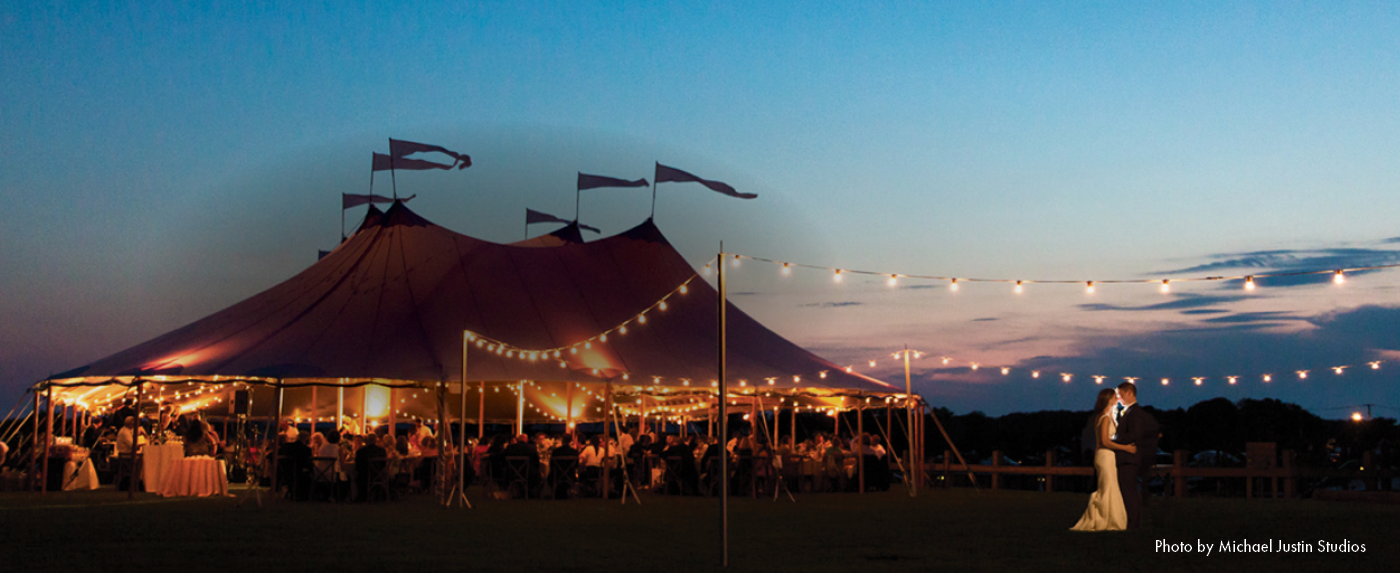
{"x": 607, "y": 444}
{"x": 909, "y": 417}
{"x": 312, "y": 415}
{"x": 520, "y": 409}
{"x": 275, "y": 438}
{"x": 569, "y": 408}
{"x": 860, "y": 439}
{"x": 339, "y": 408}
{"x": 393, "y": 414}
{"x": 48, "y": 438}
{"x": 34, "y": 445}
{"x": 480, "y": 412}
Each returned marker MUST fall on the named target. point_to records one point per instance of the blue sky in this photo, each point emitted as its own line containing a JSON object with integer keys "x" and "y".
{"x": 164, "y": 161}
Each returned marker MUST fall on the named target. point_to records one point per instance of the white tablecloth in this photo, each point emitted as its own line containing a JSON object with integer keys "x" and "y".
{"x": 156, "y": 461}
{"x": 196, "y": 475}
{"x": 85, "y": 478}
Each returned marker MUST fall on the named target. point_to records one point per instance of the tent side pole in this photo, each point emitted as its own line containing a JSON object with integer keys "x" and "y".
{"x": 339, "y": 408}
{"x": 480, "y": 413}
{"x": 569, "y": 408}
{"x": 48, "y": 438}
{"x": 393, "y": 414}
{"x": 275, "y": 439}
{"x": 860, "y": 439}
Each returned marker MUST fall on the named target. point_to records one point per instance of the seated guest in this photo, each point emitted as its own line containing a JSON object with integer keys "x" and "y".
{"x": 522, "y": 447}
{"x": 130, "y": 435}
{"x": 295, "y": 469}
{"x": 330, "y": 448}
{"x": 197, "y": 441}
{"x": 562, "y": 454}
{"x": 367, "y": 451}
{"x": 689, "y": 478}
{"x": 92, "y": 432}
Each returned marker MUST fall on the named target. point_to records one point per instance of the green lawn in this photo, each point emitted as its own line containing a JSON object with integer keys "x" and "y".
{"x": 940, "y": 530}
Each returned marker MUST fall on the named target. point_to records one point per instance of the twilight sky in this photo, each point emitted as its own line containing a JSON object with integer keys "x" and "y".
{"x": 162, "y": 162}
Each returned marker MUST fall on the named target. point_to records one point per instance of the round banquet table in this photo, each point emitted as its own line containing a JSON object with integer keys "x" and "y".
{"x": 195, "y": 476}
{"x": 79, "y": 477}
{"x": 156, "y": 460}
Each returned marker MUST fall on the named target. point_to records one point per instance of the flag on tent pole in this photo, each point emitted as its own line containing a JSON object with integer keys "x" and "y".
{"x": 399, "y": 149}
{"x": 348, "y": 200}
{"x": 665, "y": 174}
{"x": 586, "y": 181}
{"x": 389, "y": 163}
{"x": 532, "y": 216}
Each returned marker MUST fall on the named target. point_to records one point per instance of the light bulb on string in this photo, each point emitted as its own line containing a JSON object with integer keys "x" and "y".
{"x": 1020, "y": 288}
{"x": 1249, "y": 283}
{"x": 836, "y": 276}
{"x": 1098, "y": 379}
{"x": 787, "y": 268}
{"x": 1066, "y": 377}
{"x": 953, "y": 285}
{"x": 1198, "y": 380}
{"x": 1005, "y": 371}
{"x": 1302, "y": 374}
{"x": 1268, "y": 377}
{"x": 1338, "y": 370}
{"x": 893, "y": 279}
{"x": 1089, "y": 287}
{"x": 1375, "y": 365}
{"x": 1166, "y": 286}
{"x": 1338, "y": 277}
{"x": 1166, "y": 381}
{"x": 1232, "y": 379}
{"x": 1035, "y": 374}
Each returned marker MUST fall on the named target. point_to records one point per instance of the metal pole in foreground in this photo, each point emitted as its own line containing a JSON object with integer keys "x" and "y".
{"x": 462, "y": 435}
{"x": 723, "y": 395}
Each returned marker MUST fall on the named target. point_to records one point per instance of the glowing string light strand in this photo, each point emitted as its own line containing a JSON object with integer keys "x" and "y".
{"x": 1164, "y": 285}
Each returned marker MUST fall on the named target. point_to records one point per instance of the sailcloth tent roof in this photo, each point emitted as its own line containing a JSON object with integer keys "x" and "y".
{"x": 393, "y": 301}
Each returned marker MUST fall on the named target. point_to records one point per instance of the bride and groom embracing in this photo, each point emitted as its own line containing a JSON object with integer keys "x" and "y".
{"x": 1127, "y": 448}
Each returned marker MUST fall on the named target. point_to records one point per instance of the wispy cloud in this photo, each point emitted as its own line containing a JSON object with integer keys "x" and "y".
{"x": 1179, "y": 302}
{"x": 1292, "y": 261}
{"x": 833, "y": 304}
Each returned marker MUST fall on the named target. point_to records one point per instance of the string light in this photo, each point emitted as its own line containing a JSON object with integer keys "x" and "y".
{"x": 1089, "y": 287}
{"x": 1020, "y": 288}
{"x": 1338, "y": 276}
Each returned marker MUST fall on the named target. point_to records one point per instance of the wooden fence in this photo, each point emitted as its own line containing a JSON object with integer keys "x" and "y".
{"x": 1288, "y": 475}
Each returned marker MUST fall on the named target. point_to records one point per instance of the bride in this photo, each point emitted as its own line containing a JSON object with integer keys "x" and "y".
{"x": 1105, "y": 512}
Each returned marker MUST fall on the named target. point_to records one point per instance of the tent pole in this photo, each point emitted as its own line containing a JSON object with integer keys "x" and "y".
{"x": 136, "y": 461}
{"x": 723, "y": 395}
{"x": 520, "y": 409}
{"x": 393, "y": 414}
{"x": 480, "y": 413}
{"x": 48, "y": 438}
{"x": 276, "y": 439}
{"x": 312, "y": 415}
{"x": 34, "y": 444}
{"x": 462, "y": 432}
{"x": 860, "y": 439}
{"x": 569, "y": 409}
{"x": 607, "y": 444}
{"x": 339, "y": 408}
{"x": 792, "y": 439}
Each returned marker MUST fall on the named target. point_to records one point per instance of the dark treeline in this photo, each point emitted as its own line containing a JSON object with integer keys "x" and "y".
{"x": 1216, "y": 424}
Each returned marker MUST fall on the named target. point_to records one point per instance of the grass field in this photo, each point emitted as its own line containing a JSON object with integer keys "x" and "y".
{"x": 939, "y": 530}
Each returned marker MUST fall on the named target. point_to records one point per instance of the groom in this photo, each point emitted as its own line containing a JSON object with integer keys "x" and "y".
{"x": 1136, "y": 427}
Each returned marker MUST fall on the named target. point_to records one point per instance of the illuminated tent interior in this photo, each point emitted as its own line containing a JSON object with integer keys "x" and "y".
{"x": 378, "y": 327}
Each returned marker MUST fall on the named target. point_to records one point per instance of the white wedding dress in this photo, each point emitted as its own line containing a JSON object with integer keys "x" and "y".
{"x": 1106, "y": 511}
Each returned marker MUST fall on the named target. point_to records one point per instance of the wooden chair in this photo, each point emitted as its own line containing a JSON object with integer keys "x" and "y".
{"x": 518, "y": 468}
{"x": 563, "y": 477}
{"x": 324, "y": 474}
{"x": 377, "y": 479}
{"x": 671, "y": 479}
{"x": 126, "y": 467}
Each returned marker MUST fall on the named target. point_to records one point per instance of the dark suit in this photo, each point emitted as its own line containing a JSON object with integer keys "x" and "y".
{"x": 1136, "y": 427}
